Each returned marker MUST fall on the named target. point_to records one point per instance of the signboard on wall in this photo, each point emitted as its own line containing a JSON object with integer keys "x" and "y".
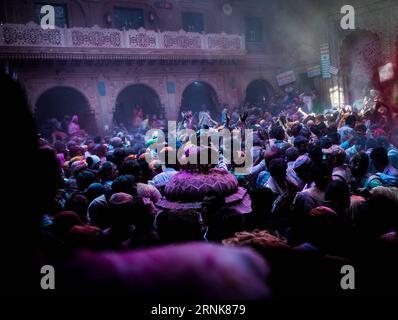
{"x": 314, "y": 71}
{"x": 325, "y": 60}
{"x": 285, "y": 78}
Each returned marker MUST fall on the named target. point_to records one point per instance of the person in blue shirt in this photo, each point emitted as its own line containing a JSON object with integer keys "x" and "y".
{"x": 347, "y": 130}
{"x": 392, "y": 152}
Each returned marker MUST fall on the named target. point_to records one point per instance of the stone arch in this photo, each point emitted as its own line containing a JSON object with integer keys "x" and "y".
{"x": 198, "y": 93}
{"x": 258, "y": 90}
{"x": 136, "y": 94}
{"x": 60, "y": 101}
{"x": 360, "y": 55}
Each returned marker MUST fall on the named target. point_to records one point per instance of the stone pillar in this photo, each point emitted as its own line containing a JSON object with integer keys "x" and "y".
{"x": 104, "y": 120}
{"x": 171, "y": 107}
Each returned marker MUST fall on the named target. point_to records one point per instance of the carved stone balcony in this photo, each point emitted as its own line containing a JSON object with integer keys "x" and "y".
{"x": 30, "y": 41}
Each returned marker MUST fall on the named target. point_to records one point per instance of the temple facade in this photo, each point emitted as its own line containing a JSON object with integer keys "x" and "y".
{"x": 101, "y": 53}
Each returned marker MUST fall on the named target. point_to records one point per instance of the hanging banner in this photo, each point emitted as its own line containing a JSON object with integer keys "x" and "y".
{"x": 314, "y": 71}
{"x": 285, "y": 78}
{"x": 325, "y": 60}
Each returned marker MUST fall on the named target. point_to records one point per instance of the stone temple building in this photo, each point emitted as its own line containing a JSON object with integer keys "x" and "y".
{"x": 103, "y": 57}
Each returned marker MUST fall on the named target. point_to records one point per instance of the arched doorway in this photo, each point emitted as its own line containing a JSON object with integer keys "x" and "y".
{"x": 196, "y": 95}
{"x": 360, "y": 57}
{"x": 60, "y": 103}
{"x": 258, "y": 91}
{"x": 136, "y": 95}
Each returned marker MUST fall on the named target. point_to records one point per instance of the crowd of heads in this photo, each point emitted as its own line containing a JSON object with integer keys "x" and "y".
{"x": 321, "y": 184}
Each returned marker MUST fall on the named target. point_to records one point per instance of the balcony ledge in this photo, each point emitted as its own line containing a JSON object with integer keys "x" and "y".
{"x": 30, "y": 41}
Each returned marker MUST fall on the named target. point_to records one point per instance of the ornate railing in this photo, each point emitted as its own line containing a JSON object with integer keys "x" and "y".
{"x": 32, "y": 35}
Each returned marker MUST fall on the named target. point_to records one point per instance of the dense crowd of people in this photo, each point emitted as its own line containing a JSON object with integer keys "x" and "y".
{"x": 322, "y": 193}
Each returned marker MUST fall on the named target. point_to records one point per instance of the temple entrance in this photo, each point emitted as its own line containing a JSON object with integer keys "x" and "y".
{"x": 62, "y": 103}
{"x": 136, "y": 98}
{"x": 197, "y": 95}
{"x": 258, "y": 91}
{"x": 360, "y": 57}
